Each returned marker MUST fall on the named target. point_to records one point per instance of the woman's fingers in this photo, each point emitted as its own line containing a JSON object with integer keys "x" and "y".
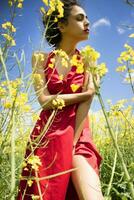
{"x": 91, "y": 83}
{"x": 86, "y": 81}
{"x": 97, "y": 80}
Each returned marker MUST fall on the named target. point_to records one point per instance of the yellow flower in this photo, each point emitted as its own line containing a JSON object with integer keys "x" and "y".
{"x": 131, "y": 52}
{"x": 35, "y": 197}
{"x": 9, "y": 38}
{"x": 56, "y": 5}
{"x": 8, "y": 25}
{"x": 3, "y": 92}
{"x": 34, "y": 161}
{"x": 26, "y": 108}
{"x": 35, "y": 117}
{"x": 21, "y": 100}
{"x": 121, "y": 103}
{"x": 24, "y": 164}
{"x": 131, "y": 35}
{"x": 119, "y": 60}
{"x": 127, "y": 46}
{"x": 58, "y": 103}
{"x": 61, "y": 77}
{"x": 121, "y": 68}
{"x": 131, "y": 70}
{"x": 74, "y": 60}
{"x": 80, "y": 68}
{"x": 64, "y": 57}
{"x": 101, "y": 69}
{"x": 115, "y": 109}
{"x": 74, "y": 87}
{"x": 13, "y": 92}
{"x": 17, "y": 82}
{"x": 78, "y": 62}
{"x": 127, "y": 79}
{"x": 127, "y": 55}
{"x": 56, "y": 19}
{"x": 90, "y": 55}
{"x": 52, "y": 63}
{"x": 61, "y": 53}
{"x": 49, "y": 12}
{"x": 10, "y": 3}
{"x": 20, "y": 1}
{"x": 45, "y": 2}
{"x": 42, "y": 9}
{"x": 7, "y": 104}
{"x": 60, "y": 9}
{"x": 64, "y": 62}
{"x": 13, "y": 43}
{"x": 132, "y": 62}
{"x": 39, "y": 56}
{"x": 23, "y": 97}
{"x": 19, "y": 5}
{"x": 116, "y": 113}
{"x": 37, "y": 79}
{"x": 30, "y": 182}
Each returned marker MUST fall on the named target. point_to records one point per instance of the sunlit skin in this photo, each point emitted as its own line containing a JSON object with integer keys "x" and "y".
{"x": 76, "y": 30}
{"x": 85, "y": 179}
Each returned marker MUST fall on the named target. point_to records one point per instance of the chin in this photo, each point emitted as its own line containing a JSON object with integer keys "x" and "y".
{"x": 84, "y": 38}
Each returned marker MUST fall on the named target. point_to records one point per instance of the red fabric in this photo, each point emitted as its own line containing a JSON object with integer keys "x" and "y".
{"x": 55, "y": 149}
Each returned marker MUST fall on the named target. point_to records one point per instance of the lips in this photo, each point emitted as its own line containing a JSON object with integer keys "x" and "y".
{"x": 86, "y": 30}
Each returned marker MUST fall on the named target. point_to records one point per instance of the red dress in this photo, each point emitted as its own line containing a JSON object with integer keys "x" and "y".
{"x": 55, "y": 147}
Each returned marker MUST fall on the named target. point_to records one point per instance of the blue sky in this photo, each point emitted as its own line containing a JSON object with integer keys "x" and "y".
{"x": 108, "y": 36}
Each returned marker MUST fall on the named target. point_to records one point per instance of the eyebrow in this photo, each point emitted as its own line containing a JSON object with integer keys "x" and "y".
{"x": 82, "y": 15}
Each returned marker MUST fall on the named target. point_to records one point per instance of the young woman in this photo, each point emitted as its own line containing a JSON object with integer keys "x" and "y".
{"x": 67, "y": 143}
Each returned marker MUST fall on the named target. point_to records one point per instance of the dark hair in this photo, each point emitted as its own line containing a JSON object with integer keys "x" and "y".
{"x": 52, "y": 33}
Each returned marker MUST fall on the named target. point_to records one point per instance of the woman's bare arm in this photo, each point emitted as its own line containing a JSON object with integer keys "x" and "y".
{"x": 44, "y": 97}
{"x": 81, "y": 115}
{"x": 83, "y": 109}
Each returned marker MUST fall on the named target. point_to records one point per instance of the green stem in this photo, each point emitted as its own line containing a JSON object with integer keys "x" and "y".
{"x": 12, "y": 130}
{"x": 13, "y": 159}
{"x": 130, "y": 78}
{"x": 127, "y": 176}
{"x": 44, "y": 33}
{"x": 112, "y": 175}
{"x": 38, "y": 185}
{"x": 4, "y": 67}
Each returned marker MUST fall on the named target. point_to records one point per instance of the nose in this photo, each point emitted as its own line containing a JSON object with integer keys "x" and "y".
{"x": 87, "y": 23}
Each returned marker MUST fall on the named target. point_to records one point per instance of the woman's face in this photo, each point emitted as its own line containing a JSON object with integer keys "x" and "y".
{"x": 78, "y": 25}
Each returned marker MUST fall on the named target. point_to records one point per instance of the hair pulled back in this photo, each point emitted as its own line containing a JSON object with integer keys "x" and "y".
{"x": 52, "y": 34}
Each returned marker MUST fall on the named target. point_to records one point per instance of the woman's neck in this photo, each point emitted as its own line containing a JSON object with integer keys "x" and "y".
{"x": 69, "y": 48}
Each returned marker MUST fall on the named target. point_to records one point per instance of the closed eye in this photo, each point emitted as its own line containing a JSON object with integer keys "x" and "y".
{"x": 80, "y": 17}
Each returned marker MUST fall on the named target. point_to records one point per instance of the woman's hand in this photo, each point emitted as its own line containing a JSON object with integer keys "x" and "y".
{"x": 90, "y": 82}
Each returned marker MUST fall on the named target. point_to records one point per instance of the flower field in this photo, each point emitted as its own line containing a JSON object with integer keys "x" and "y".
{"x": 112, "y": 126}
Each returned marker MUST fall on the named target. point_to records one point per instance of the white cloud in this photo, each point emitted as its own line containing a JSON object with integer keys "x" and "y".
{"x": 120, "y": 30}
{"x": 100, "y": 22}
